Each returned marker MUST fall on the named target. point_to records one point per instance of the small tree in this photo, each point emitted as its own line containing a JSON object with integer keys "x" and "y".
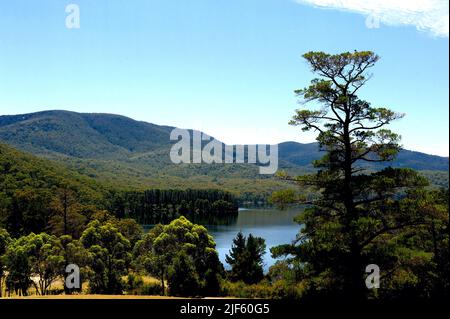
{"x": 34, "y": 256}
{"x": 73, "y": 252}
{"x": 46, "y": 260}
{"x": 236, "y": 258}
{"x": 182, "y": 276}
{"x": 153, "y": 261}
{"x": 246, "y": 258}
{"x": 157, "y": 250}
{"x": 5, "y": 240}
{"x": 256, "y": 248}
{"x": 109, "y": 257}
{"x": 19, "y": 269}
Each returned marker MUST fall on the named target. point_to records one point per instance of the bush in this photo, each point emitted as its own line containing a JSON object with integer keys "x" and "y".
{"x": 277, "y": 290}
{"x": 151, "y": 289}
{"x": 134, "y": 284}
{"x": 183, "y": 278}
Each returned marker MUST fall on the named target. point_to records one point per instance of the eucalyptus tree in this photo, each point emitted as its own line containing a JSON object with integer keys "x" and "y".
{"x": 166, "y": 248}
{"x": 5, "y": 240}
{"x": 108, "y": 257}
{"x": 35, "y": 259}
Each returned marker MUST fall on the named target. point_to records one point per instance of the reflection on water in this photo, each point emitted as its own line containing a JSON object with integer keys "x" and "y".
{"x": 275, "y": 226}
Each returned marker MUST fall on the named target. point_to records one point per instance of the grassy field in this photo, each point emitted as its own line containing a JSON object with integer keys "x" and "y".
{"x": 57, "y": 287}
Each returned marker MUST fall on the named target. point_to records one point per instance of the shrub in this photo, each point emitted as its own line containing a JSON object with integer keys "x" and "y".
{"x": 151, "y": 289}
{"x": 277, "y": 290}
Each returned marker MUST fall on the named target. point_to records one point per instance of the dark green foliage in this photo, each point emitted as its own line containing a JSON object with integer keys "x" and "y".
{"x": 133, "y": 284}
{"x": 130, "y": 229}
{"x": 265, "y": 290}
{"x": 151, "y": 289}
{"x": 30, "y": 194}
{"x": 161, "y": 247}
{"x": 122, "y": 152}
{"x": 385, "y": 218}
{"x": 33, "y": 255}
{"x": 38, "y": 195}
{"x": 438, "y": 179}
{"x": 73, "y": 252}
{"x": 245, "y": 259}
{"x": 81, "y": 135}
{"x": 182, "y": 276}
{"x": 236, "y": 258}
{"x": 19, "y": 271}
{"x": 162, "y": 206}
{"x": 5, "y": 241}
{"x": 282, "y": 198}
{"x": 126, "y": 153}
{"x": 109, "y": 256}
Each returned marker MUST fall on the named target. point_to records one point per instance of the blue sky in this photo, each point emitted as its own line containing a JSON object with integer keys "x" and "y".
{"x": 227, "y": 67}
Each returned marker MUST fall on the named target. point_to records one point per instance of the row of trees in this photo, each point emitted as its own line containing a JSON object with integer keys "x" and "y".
{"x": 161, "y": 206}
{"x": 64, "y": 211}
{"x": 181, "y": 255}
{"x": 38, "y": 260}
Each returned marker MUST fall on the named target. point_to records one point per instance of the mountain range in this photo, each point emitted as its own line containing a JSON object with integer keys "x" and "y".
{"x": 134, "y": 154}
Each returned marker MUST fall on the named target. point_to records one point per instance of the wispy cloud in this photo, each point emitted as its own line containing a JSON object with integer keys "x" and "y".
{"x": 429, "y": 16}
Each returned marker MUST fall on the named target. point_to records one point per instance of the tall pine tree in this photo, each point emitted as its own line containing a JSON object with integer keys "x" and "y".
{"x": 355, "y": 221}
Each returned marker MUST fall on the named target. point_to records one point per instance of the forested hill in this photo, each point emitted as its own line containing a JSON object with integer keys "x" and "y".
{"x": 30, "y": 188}
{"x": 303, "y": 154}
{"x": 22, "y": 171}
{"x": 109, "y": 136}
{"x": 81, "y": 135}
{"x": 120, "y": 150}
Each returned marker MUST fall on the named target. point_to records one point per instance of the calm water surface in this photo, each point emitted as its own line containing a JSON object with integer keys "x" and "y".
{"x": 275, "y": 226}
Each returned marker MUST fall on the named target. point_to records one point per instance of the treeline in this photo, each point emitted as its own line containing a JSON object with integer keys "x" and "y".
{"x": 36, "y": 193}
{"x": 161, "y": 206}
{"x": 115, "y": 256}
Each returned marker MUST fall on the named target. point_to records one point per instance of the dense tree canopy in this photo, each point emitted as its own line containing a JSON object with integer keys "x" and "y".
{"x": 33, "y": 256}
{"x": 360, "y": 216}
{"x": 162, "y": 206}
{"x": 109, "y": 257}
{"x": 181, "y": 243}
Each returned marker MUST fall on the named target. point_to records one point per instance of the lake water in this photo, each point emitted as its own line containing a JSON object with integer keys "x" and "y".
{"x": 275, "y": 226}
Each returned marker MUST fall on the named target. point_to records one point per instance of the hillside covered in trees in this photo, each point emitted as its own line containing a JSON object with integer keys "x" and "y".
{"x": 41, "y": 195}
{"x": 121, "y": 151}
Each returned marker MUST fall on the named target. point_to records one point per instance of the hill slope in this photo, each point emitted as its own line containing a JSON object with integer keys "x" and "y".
{"x": 30, "y": 186}
{"x": 135, "y": 154}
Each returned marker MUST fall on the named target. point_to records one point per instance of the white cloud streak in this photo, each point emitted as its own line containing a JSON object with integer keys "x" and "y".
{"x": 431, "y": 16}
